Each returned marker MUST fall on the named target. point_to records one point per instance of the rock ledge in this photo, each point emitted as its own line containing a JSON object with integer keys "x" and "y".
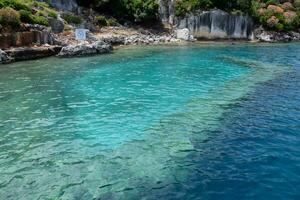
{"x": 98, "y": 47}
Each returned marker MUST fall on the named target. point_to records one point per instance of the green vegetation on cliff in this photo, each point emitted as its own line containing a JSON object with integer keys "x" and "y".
{"x": 138, "y": 11}
{"x": 273, "y": 14}
{"x": 13, "y": 12}
{"x": 277, "y": 16}
{"x": 184, "y": 6}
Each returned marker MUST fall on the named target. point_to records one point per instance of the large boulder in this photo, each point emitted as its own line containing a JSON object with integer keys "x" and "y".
{"x": 57, "y": 25}
{"x": 98, "y": 47}
{"x": 274, "y": 36}
{"x": 4, "y": 57}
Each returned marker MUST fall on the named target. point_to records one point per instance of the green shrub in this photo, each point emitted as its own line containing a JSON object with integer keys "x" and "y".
{"x": 71, "y": 19}
{"x": 279, "y": 26}
{"x": 9, "y": 17}
{"x": 271, "y": 2}
{"x": 101, "y": 20}
{"x": 15, "y": 4}
{"x": 52, "y": 14}
{"x": 284, "y": 22}
{"x": 41, "y": 20}
{"x": 141, "y": 11}
{"x": 184, "y": 6}
{"x": 297, "y": 4}
{"x": 237, "y": 6}
{"x": 112, "y": 22}
{"x": 26, "y": 16}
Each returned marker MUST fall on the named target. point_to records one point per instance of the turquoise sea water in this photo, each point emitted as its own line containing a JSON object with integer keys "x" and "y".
{"x": 173, "y": 122}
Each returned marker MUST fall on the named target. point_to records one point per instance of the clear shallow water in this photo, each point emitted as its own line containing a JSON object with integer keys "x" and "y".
{"x": 177, "y": 122}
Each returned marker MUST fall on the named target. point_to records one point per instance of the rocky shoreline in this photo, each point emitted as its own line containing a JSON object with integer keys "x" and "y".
{"x": 263, "y": 35}
{"x": 57, "y": 36}
{"x": 67, "y": 46}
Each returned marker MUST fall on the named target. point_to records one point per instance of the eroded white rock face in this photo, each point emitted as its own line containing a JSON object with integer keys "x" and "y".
{"x": 183, "y": 34}
{"x": 216, "y": 24}
{"x": 4, "y": 58}
{"x": 264, "y": 37}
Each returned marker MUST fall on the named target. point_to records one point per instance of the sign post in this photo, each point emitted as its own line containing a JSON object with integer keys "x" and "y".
{"x": 80, "y": 34}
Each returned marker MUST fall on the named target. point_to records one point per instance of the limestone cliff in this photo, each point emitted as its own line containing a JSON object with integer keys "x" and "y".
{"x": 213, "y": 24}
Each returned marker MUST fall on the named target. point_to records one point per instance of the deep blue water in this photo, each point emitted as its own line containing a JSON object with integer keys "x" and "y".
{"x": 177, "y": 122}
{"x": 254, "y": 153}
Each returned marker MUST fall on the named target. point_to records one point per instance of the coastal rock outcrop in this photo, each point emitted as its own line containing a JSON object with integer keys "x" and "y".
{"x": 98, "y": 47}
{"x": 216, "y": 24}
{"x": 166, "y": 11}
{"x": 4, "y": 57}
{"x": 263, "y": 35}
{"x": 213, "y": 24}
{"x": 57, "y": 25}
{"x": 149, "y": 39}
{"x": 26, "y": 38}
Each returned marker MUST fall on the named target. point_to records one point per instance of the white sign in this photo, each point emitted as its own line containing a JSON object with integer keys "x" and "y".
{"x": 80, "y": 34}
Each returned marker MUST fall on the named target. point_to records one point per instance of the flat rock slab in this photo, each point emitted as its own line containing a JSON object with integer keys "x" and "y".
{"x": 99, "y": 47}
{"x": 30, "y": 53}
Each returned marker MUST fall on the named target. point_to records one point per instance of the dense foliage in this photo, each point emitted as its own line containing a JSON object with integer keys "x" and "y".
{"x": 273, "y": 14}
{"x": 9, "y": 17}
{"x": 184, "y": 6}
{"x": 13, "y": 12}
{"x": 139, "y": 11}
{"x": 71, "y": 18}
{"x": 102, "y": 20}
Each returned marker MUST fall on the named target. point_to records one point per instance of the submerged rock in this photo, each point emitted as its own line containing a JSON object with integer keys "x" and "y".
{"x": 4, "y": 57}
{"x": 99, "y": 47}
